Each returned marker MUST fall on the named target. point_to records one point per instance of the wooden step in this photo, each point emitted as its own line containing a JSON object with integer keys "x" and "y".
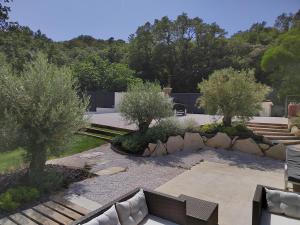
{"x": 63, "y": 210}
{"x": 111, "y": 127}
{"x": 102, "y": 131}
{"x": 267, "y": 124}
{"x": 21, "y": 219}
{"x": 271, "y": 130}
{"x": 271, "y": 137}
{"x": 286, "y": 142}
{"x": 70, "y": 205}
{"x": 274, "y": 133}
{"x": 7, "y": 221}
{"x": 105, "y": 138}
{"x": 57, "y": 217}
{"x": 39, "y": 218}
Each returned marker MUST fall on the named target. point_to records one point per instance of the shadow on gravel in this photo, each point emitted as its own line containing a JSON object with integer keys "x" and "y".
{"x": 187, "y": 159}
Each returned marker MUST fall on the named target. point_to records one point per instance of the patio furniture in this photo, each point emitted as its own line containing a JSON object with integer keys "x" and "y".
{"x": 179, "y": 109}
{"x": 162, "y": 209}
{"x": 292, "y": 167}
{"x": 263, "y": 214}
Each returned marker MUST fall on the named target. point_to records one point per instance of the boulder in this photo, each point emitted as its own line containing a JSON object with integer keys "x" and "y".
{"x": 234, "y": 140}
{"x": 248, "y": 146}
{"x": 159, "y": 150}
{"x": 204, "y": 139}
{"x": 277, "y": 152}
{"x": 192, "y": 141}
{"x": 151, "y": 147}
{"x": 296, "y": 131}
{"x": 267, "y": 141}
{"x": 174, "y": 144}
{"x": 220, "y": 140}
{"x": 264, "y": 147}
{"x": 147, "y": 152}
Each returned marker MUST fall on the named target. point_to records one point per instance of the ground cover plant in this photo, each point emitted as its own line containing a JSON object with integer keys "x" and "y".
{"x": 136, "y": 142}
{"x": 14, "y": 197}
{"x": 238, "y": 129}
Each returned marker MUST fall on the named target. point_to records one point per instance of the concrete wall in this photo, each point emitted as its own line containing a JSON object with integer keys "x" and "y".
{"x": 266, "y": 109}
{"x": 118, "y": 97}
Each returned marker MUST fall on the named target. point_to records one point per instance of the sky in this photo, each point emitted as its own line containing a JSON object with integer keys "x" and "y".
{"x": 65, "y": 19}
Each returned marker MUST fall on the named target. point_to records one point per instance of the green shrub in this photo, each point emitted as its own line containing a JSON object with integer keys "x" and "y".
{"x": 50, "y": 181}
{"x": 190, "y": 125}
{"x": 168, "y": 127}
{"x": 230, "y": 131}
{"x": 14, "y": 197}
{"x": 237, "y": 129}
{"x": 137, "y": 142}
{"x": 133, "y": 143}
{"x": 210, "y": 128}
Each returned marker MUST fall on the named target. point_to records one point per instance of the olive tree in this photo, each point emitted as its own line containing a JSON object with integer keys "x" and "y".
{"x": 40, "y": 110}
{"x": 143, "y": 103}
{"x": 230, "y": 93}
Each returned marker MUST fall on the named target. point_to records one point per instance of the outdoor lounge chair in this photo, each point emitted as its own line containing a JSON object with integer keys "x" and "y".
{"x": 261, "y": 213}
{"x": 164, "y": 209}
{"x": 292, "y": 167}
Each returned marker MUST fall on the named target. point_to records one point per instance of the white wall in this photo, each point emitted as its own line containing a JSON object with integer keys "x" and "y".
{"x": 266, "y": 109}
{"x": 118, "y": 97}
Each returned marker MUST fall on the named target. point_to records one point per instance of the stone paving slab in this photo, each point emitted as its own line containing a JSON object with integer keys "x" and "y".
{"x": 111, "y": 171}
{"x": 232, "y": 187}
{"x": 115, "y": 119}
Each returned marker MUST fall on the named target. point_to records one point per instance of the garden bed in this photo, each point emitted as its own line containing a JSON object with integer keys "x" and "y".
{"x": 171, "y": 136}
{"x": 55, "y": 179}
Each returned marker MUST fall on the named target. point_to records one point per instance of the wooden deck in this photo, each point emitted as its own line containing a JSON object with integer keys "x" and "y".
{"x": 54, "y": 212}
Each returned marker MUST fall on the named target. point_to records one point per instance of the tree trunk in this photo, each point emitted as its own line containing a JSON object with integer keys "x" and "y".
{"x": 37, "y": 164}
{"x": 227, "y": 120}
{"x": 143, "y": 126}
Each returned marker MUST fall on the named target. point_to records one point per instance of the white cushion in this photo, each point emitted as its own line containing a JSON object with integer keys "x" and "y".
{"x": 274, "y": 219}
{"x": 109, "y": 217}
{"x": 283, "y": 203}
{"x": 134, "y": 210}
{"x": 273, "y": 201}
{"x": 154, "y": 220}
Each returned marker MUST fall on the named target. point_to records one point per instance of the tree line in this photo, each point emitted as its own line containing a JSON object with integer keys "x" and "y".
{"x": 180, "y": 52}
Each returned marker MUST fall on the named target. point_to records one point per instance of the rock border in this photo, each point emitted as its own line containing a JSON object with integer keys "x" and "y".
{"x": 194, "y": 141}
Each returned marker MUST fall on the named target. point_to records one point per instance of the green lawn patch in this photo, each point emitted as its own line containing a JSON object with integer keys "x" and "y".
{"x": 12, "y": 160}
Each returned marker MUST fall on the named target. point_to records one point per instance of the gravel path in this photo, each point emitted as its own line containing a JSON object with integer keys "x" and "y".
{"x": 151, "y": 172}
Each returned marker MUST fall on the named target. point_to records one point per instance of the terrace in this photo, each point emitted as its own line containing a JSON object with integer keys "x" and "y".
{"x": 228, "y": 178}
{"x": 181, "y": 122}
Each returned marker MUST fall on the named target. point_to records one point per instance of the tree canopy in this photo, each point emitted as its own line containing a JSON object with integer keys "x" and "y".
{"x": 231, "y": 93}
{"x": 282, "y": 60}
{"x": 143, "y": 103}
{"x": 40, "y": 110}
{"x": 179, "y": 52}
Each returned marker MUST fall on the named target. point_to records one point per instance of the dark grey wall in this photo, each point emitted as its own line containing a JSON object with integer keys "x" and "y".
{"x": 101, "y": 99}
{"x": 189, "y": 99}
{"x": 107, "y": 99}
